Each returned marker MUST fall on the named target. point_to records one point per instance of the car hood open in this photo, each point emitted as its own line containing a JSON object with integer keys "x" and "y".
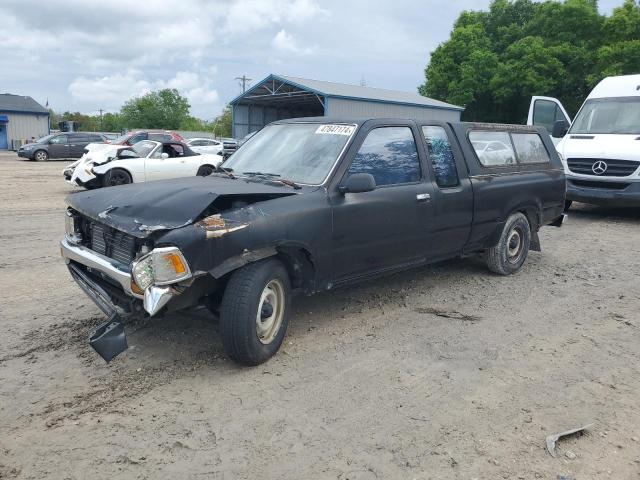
{"x": 141, "y": 209}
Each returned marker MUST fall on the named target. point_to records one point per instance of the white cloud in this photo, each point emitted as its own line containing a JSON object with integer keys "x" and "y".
{"x": 111, "y": 91}
{"x": 286, "y": 43}
{"x": 251, "y": 15}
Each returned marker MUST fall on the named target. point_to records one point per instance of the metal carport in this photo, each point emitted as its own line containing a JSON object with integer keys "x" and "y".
{"x": 279, "y": 97}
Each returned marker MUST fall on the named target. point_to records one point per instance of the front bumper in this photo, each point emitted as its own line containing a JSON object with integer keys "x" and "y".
{"x": 25, "y": 154}
{"x": 104, "y": 269}
{"x": 618, "y": 193}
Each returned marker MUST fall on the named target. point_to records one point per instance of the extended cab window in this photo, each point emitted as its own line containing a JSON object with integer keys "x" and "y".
{"x": 390, "y": 155}
{"x": 529, "y": 148}
{"x": 441, "y": 156}
{"x": 493, "y": 148}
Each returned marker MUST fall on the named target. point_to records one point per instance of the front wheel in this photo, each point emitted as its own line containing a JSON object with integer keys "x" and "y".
{"x": 512, "y": 249}
{"x": 205, "y": 171}
{"x": 41, "y": 156}
{"x": 254, "y": 313}
{"x": 114, "y": 177}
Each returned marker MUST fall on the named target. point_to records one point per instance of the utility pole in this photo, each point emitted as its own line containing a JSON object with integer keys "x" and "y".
{"x": 100, "y": 110}
{"x": 244, "y": 80}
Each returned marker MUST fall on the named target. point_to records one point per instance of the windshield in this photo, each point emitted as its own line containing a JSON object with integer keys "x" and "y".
{"x": 620, "y": 115}
{"x": 301, "y": 152}
{"x": 144, "y": 148}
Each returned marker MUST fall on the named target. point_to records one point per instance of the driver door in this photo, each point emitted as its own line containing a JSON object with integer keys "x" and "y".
{"x": 59, "y": 146}
{"x": 544, "y": 112}
{"x": 389, "y": 226}
{"x": 174, "y": 166}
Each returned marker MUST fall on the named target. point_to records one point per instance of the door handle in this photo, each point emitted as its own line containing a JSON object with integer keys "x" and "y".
{"x": 423, "y": 197}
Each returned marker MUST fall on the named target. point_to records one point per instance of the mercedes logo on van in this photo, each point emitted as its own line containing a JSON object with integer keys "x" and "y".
{"x": 599, "y": 167}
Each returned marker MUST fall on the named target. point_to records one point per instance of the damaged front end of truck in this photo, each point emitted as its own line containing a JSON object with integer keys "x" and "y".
{"x": 166, "y": 246}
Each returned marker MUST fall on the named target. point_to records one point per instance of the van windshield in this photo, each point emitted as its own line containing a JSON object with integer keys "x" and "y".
{"x": 301, "y": 152}
{"x": 620, "y": 115}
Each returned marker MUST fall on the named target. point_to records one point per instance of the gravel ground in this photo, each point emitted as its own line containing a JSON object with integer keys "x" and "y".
{"x": 442, "y": 372}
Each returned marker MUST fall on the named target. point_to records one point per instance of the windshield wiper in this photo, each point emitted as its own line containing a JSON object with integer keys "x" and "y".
{"x": 225, "y": 171}
{"x": 275, "y": 178}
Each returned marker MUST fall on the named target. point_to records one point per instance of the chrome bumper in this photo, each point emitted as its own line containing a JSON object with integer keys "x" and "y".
{"x": 111, "y": 268}
{"x": 154, "y": 297}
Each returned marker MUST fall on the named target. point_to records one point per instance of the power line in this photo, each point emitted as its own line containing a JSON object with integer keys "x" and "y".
{"x": 244, "y": 80}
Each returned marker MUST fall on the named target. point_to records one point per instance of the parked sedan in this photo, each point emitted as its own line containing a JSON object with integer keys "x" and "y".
{"x": 59, "y": 145}
{"x": 145, "y": 161}
{"x": 204, "y": 145}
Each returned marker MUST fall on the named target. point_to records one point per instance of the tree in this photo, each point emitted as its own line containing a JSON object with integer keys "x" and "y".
{"x": 165, "y": 109}
{"x": 222, "y": 124}
{"x": 495, "y": 60}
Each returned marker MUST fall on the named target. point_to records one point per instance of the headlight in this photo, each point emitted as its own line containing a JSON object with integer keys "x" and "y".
{"x": 161, "y": 266}
{"x": 72, "y": 227}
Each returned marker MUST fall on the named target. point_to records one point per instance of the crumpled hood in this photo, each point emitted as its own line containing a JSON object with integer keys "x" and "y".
{"x": 140, "y": 209}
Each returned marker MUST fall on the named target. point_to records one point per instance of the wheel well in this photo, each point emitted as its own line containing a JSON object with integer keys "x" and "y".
{"x": 299, "y": 264}
{"x": 117, "y": 168}
{"x": 532, "y": 217}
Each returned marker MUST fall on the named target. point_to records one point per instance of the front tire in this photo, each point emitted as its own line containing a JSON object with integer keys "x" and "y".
{"x": 510, "y": 253}
{"x": 254, "y": 313}
{"x": 115, "y": 177}
{"x": 205, "y": 171}
{"x": 41, "y": 156}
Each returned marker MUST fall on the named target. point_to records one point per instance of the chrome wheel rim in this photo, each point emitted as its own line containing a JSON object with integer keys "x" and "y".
{"x": 515, "y": 245}
{"x": 40, "y": 156}
{"x": 270, "y": 312}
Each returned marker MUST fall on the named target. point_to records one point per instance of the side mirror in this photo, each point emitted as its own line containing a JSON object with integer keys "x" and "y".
{"x": 358, "y": 183}
{"x": 220, "y": 153}
{"x": 164, "y": 156}
{"x": 560, "y": 128}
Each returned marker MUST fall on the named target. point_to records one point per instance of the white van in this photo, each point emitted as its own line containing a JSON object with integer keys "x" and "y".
{"x": 600, "y": 149}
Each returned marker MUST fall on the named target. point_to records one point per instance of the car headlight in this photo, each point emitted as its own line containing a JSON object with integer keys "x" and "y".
{"x": 72, "y": 227}
{"x": 161, "y": 266}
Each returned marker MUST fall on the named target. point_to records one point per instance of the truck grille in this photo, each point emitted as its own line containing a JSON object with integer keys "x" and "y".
{"x": 614, "y": 168}
{"x": 111, "y": 243}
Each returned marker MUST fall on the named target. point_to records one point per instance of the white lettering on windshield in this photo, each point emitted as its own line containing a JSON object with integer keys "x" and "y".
{"x": 335, "y": 129}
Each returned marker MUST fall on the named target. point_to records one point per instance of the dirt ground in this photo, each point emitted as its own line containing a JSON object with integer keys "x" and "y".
{"x": 446, "y": 372}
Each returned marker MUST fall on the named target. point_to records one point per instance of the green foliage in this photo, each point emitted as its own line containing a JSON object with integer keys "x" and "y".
{"x": 164, "y": 109}
{"x": 495, "y": 61}
{"x": 221, "y": 126}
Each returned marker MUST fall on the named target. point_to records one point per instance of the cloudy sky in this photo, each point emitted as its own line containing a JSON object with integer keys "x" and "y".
{"x": 86, "y": 54}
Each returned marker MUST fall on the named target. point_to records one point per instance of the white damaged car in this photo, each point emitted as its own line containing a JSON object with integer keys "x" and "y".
{"x": 143, "y": 162}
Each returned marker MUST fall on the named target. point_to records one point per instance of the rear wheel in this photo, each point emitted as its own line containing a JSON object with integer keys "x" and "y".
{"x": 509, "y": 254}
{"x": 114, "y": 177}
{"x": 205, "y": 171}
{"x": 41, "y": 156}
{"x": 254, "y": 314}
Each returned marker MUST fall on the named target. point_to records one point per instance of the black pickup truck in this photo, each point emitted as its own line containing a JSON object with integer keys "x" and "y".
{"x": 308, "y": 205}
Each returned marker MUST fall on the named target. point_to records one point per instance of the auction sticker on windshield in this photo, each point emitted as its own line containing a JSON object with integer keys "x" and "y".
{"x": 336, "y": 129}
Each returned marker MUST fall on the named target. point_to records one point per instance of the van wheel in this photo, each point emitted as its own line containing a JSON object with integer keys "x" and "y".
{"x": 512, "y": 249}
{"x": 254, "y": 313}
{"x": 567, "y": 205}
{"x": 114, "y": 177}
{"x": 41, "y": 156}
{"x": 205, "y": 171}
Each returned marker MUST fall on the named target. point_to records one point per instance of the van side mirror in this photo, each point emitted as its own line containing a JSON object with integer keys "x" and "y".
{"x": 560, "y": 128}
{"x": 358, "y": 183}
{"x": 164, "y": 156}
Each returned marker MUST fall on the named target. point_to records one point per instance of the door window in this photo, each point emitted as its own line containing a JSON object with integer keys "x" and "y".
{"x": 441, "y": 156}
{"x": 546, "y": 113}
{"x": 59, "y": 140}
{"x": 390, "y": 155}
